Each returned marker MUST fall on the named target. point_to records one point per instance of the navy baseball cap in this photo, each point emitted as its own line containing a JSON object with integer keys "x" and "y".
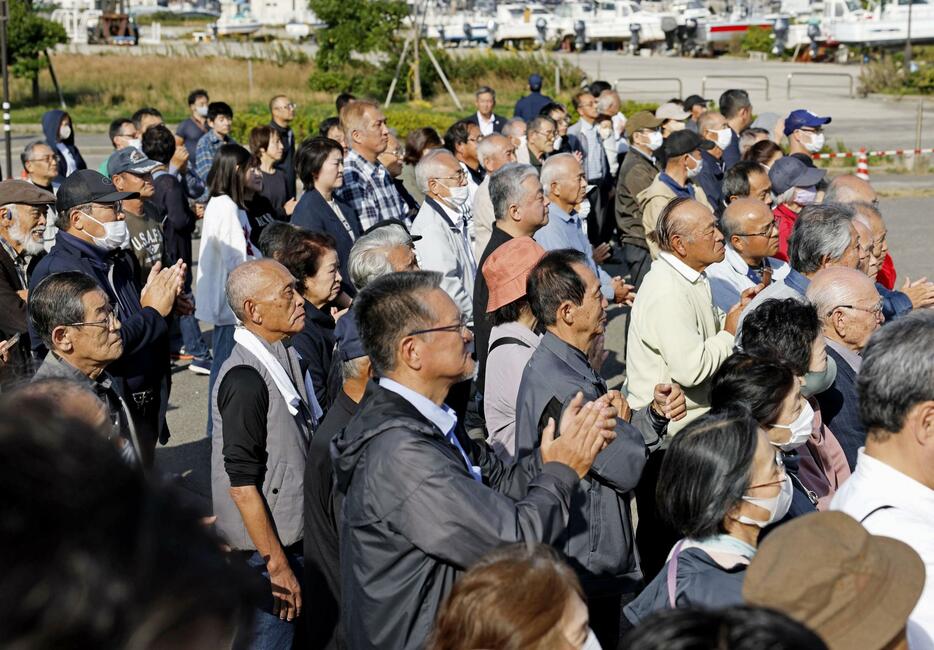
{"x": 130, "y": 159}
{"x": 790, "y": 172}
{"x": 684, "y": 141}
{"x": 804, "y": 119}
{"x": 349, "y": 345}
{"x": 87, "y": 186}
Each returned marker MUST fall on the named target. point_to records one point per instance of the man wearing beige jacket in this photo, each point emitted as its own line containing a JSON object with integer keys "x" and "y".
{"x": 683, "y": 161}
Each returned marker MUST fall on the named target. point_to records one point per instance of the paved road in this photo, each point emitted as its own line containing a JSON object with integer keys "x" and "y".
{"x": 187, "y": 456}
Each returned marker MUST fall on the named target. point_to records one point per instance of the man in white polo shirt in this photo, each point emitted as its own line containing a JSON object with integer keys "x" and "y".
{"x": 892, "y": 490}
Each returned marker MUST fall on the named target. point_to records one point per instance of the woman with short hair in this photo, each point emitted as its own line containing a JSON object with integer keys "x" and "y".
{"x": 267, "y": 149}
{"x": 720, "y": 482}
{"x": 319, "y": 164}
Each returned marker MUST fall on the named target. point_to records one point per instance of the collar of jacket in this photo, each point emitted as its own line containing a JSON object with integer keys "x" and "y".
{"x": 75, "y": 246}
{"x": 319, "y": 317}
{"x": 437, "y": 207}
{"x": 572, "y": 357}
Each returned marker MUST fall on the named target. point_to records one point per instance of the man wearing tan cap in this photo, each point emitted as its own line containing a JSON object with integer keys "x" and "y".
{"x": 853, "y": 589}
{"x": 636, "y": 173}
{"x": 512, "y": 338}
{"x": 22, "y": 227}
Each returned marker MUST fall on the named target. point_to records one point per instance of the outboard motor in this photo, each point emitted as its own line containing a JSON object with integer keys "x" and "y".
{"x": 580, "y": 42}
{"x": 780, "y": 34}
{"x": 814, "y": 35}
{"x": 541, "y": 26}
{"x": 634, "y": 29}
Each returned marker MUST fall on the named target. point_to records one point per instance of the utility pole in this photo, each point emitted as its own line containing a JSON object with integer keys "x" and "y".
{"x": 4, "y": 69}
{"x": 908, "y": 40}
{"x": 416, "y": 61}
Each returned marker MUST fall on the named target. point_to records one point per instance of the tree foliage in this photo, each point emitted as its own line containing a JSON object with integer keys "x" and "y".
{"x": 355, "y": 27}
{"x": 28, "y": 36}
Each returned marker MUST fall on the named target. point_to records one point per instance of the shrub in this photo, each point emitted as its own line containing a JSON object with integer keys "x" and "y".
{"x": 757, "y": 39}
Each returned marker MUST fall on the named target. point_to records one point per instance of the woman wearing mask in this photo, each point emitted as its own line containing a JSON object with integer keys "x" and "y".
{"x": 319, "y": 164}
{"x": 311, "y": 257}
{"x": 772, "y": 395}
{"x": 794, "y": 185}
{"x": 267, "y": 149}
{"x": 720, "y": 483}
{"x": 225, "y": 244}
{"x": 789, "y": 331}
{"x": 518, "y": 596}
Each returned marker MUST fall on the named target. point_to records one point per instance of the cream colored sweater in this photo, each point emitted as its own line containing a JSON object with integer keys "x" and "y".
{"x": 676, "y": 335}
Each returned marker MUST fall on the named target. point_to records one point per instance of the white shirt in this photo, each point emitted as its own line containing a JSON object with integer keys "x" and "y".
{"x": 728, "y": 279}
{"x": 686, "y": 271}
{"x": 69, "y": 159}
{"x": 486, "y": 126}
{"x": 910, "y": 519}
{"x": 225, "y": 245}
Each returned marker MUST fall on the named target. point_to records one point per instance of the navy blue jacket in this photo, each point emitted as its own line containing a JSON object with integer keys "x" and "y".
{"x": 894, "y": 303}
{"x": 530, "y": 106}
{"x": 731, "y": 154}
{"x": 711, "y": 180}
{"x": 498, "y": 121}
{"x": 51, "y": 121}
{"x": 144, "y": 363}
{"x": 839, "y": 406}
{"x": 312, "y": 212}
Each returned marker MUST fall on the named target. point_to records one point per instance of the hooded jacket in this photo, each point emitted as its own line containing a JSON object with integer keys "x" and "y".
{"x": 413, "y": 517}
{"x": 51, "y": 122}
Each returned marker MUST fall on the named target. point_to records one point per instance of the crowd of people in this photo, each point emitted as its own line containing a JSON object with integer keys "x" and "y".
{"x": 413, "y": 442}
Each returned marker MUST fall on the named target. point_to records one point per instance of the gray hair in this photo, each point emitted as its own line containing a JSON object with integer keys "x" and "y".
{"x": 485, "y": 90}
{"x": 509, "y": 127}
{"x": 430, "y": 166}
{"x": 388, "y": 309}
{"x": 821, "y": 232}
{"x": 26, "y": 155}
{"x": 506, "y": 187}
{"x": 352, "y": 369}
{"x": 491, "y": 145}
{"x": 845, "y": 189}
{"x": 749, "y": 137}
{"x": 536, "y": 123}
{"x": 605, "y": 99}
{"x": 368, "y": 257}
{"x": 551, "y": 169}
{"x": 897, "y": 372}
{"x": 57, "y": 301}
{"x": 244, "y": 282}
{"x": 832, "y": 287}
{"x": 669, "y": 225}
{"x": 785, "y": 197}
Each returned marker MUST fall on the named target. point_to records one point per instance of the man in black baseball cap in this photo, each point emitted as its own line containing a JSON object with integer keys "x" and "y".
{"x": 92, "y": 239}
{"x": 683, "y": 161}
{"x": 696, "y": 106}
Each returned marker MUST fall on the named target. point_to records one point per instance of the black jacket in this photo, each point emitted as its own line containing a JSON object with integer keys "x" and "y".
{"x": 312, "y": 212}
{"x": 711, "y": 181}
{"x": 839, "y": 407}
{"x": 315, "y": 345}
{"x": 413, "y": 517}
{"x": 599, "y": 543}
{"x": 498, "y": 121}
{"x": 287, "y": 163}
{"x": 144, "y": 363}
{"x": 481, "y": 296}
{"x": 322, "y": 590}
{"x": 179, "y": 223}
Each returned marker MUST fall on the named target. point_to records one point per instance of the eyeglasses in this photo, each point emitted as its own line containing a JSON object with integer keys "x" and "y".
{"x": 45, "y": 159}
{"x": 109, "y": 321}
{"x": 875, "y": 311}
{"x": 780, "y": 465}
{"x": 289, "y": 107}
{"x": 460, "y": 177}
{"x": 460, "y": 328}
{"x": 549, "y": 135}
{"x": 772, "y": 227}
{"x": 808, "y": 129}
{"x": 398, "y": 153}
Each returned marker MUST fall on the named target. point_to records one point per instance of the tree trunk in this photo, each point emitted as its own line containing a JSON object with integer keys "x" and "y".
{"x": 35, "y": 89}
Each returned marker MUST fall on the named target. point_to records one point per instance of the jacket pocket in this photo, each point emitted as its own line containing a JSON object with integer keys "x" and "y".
{"x": 273, "y": 486}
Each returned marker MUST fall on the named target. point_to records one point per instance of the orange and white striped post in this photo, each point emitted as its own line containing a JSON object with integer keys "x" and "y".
{"x": 862, "y": 165}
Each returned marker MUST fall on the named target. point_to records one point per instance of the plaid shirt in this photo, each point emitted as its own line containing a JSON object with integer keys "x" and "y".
{"x": 207, "y": 147}
{"x": 368, "y": 187}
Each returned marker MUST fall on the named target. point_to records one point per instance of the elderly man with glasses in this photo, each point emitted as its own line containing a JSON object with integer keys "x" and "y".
{"x": 751, "y": 235}
{"x": 850, "y": 310}
{"x": 92, "y": 241}
{"x": 78, "y": 325}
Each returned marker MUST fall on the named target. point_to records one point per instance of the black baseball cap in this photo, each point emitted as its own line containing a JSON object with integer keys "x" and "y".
{"x": 684, "y": 141}
{"x": 87, "y": 186}
{"x": 390, "y": 222}
{"x": 694, "y": 100}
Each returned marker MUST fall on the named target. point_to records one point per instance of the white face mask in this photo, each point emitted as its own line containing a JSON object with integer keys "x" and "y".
{"x": 816, "y": 143}
{"x": 800, "y": 429}
{"x": 805, "y": 195}
{"x": 777, "y": 506}
{"x": 115, "y": 234}
{"x": 698, "y": 167}
{"x": 64, "y": 132}
{"x": 201, "y": 110}
{"x": 557, "y": 144}
{"x": 724, "y": 137}
{"x": 136, "y": 143}
{"x": 591, "y": 643}
{"x": 583, "y": 209}
{"x": 458, "y": 195}
{"x": 606, "y": 132}
{"x": 655, "y": 140}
